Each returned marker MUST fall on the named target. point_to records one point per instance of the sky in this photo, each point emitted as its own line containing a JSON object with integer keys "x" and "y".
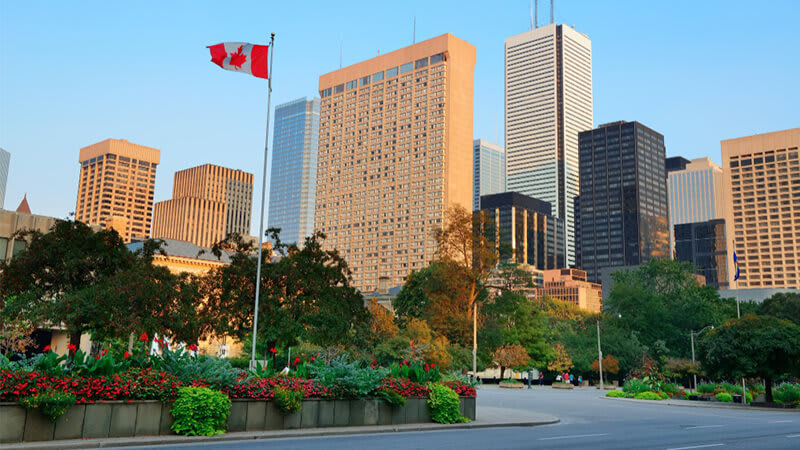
{"x": 75, "y": 73}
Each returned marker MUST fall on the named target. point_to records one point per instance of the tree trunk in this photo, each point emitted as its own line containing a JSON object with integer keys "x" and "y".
{"x": 768, "y": 388}
{"x": 502, "y": 371}
{"x": 130, "y": 343}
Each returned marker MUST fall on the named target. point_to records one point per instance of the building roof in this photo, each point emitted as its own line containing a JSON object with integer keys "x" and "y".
{"x": 509, "y": 199}
{"x": 185, "y": 249}
{"x": 24, "y": 207}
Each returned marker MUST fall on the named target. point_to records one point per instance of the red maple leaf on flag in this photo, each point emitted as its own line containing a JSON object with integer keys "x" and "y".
{"x": 238, "y": 58}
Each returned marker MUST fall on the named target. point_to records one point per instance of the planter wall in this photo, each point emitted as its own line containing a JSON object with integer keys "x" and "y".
{"x": 150, "y": 418}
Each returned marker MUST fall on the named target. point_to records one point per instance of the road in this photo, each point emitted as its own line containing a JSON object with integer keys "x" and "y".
{"x": 587, "y": 421}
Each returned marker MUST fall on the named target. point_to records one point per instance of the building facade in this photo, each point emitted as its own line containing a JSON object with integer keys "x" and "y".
{"x": 694, "y": 192}
{"x": 5, "y": 161}
{"x": 208, "y": 202}
{"x": 762, "y": 208}
{"x": 115, "y": 187}
{"x": 571, "y": 286}
{"x": 525, "y": 231}
{"x": 548, "y": 101}
{"x": 488, "y": 170}
{"x": 703, "y": 244}
{"x": 394, "y": 149}
{"x": 623, "y": 202}
{"x": 293, "y": 180}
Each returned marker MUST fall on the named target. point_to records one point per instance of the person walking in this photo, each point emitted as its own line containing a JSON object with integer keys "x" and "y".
{"x": 541, "y": 379}
{"x": 580, "y": 380}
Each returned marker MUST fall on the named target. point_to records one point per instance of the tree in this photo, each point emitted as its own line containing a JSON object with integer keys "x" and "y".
{"x": 610, "y": 365}
{"x": 412, "y": 301}
{"x": 382, "y": 323}
{"x": 753, "y": 346}
{"x": 561, "y": 360}
{"x": 69, "y": 258}
{"x": 783, "y": 305}
{"x": 511, "y": 355}
{"x": 518, "y": 323}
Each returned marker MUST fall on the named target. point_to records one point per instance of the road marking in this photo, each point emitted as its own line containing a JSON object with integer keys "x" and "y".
{"x": 793, "y": 436}
{"x": 704, "y": 426}
{"x": 780, "y": 421}
{"x": 573, "y": 436}
{"x": 696, "y": 446}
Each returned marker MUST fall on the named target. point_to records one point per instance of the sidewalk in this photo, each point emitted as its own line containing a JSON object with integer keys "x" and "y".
{"x": 706, "y": 404}
{"x": 487, "y": 417}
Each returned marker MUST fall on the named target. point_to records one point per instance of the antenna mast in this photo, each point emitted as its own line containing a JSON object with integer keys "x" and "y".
{"x": 551, "y": 12}
{"x": 536, "y": 14}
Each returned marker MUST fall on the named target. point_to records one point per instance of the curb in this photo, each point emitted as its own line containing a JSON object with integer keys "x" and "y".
{"x": 245, "y": 436}
{"x": 709, "y": 405}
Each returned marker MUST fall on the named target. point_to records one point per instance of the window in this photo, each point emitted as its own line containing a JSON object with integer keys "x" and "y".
{"x": 3, "y": 248}
{"x": 325, "y": 93}
{"x": 338, "y": 89}
{"x": 437, "y": 58}
{"x": 420, "y": 63}
{"x": 363, "y": 81}
{"x": 351, "y": 85}
{"x": 391, "y": 72}
{"x": 377, "y": 77}
{"x": 408, "y": 67}
{"x": 19, "y": 245}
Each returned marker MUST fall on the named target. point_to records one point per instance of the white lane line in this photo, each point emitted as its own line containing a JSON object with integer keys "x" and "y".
{"x": 793, "y": 436}
{"x": 696, "y": 446}
{"x": 704, "y": 426}
{"x": 780, "y": 421}
{"x": 572, "y": 436}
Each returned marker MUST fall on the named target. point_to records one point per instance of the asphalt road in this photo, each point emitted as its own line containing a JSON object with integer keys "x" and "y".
{"x": 587, "y": 421}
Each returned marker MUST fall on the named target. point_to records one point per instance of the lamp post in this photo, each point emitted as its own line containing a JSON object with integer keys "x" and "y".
{"x": 692, "y": 334}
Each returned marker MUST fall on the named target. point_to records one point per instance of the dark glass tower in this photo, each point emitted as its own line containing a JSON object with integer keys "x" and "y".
{"x": 703, "y": 244}
{"x": 623, "y": 201}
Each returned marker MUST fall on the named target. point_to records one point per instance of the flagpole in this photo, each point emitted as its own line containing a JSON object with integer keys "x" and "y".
{"x": 263, "y": 196}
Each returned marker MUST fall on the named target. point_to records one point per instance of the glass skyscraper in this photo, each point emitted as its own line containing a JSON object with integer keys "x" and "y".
{"x": 293, "y": 180}
{"x": 623, "y": 201}
{"x": 488, "y": 170}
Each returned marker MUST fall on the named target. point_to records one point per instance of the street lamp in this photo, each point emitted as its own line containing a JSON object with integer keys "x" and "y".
{"x": 600, "y": 352}
{"x": 692, "y": 334}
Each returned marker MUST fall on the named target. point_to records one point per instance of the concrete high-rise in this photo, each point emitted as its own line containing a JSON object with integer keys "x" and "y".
{"x": 623, "y": 201}
{"x": 115, "y": 187}
{"x": 293, "y": 182}
{"x": 394, "y": 153}
{"x": 208, "y": 202}
{"x": 762, "y": 208}
{"x": 5, "y": 161}
{"x": 548, "y": 101}
{"x": 488, "y": 170}
{"x": 694, "y": 190}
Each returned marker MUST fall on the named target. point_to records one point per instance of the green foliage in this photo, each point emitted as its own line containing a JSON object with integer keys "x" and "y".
{"x": 513, "y": 318}
{"x": 392, "y": 397}
{"x": 217, "y": 372}
{"x": 52, "y": 404}
{"x": 615, "y": 394}
{"x": 412, "y": 301}
{"x": 49, "y": 363}
{"x": 635, "y": 386}
{"x": 416, "y": 371}
{"x": 724, "y": 397}
{"x": 648, "y": 395}
{"x": 444, "y": 404}
{"x": 200, "y": 411}
{"x": 788, "y": 393}
{"x": 783, "y": 305}
{"x": 347, "y": 379}
{"x": 287, "y": 401}
{"x": 460, "y": 377}
{"x": 101, "y": 365}
{"x": 707, "y": 388}
{"x": 663, "y": 395}
{"x": 731, "y": 388}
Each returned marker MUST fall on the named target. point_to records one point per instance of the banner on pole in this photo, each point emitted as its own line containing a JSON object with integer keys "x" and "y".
{"x": 241, "y": 57}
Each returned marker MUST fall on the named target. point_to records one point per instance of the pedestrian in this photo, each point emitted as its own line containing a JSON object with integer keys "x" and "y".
{"x": 541, "y": 379}
{"x": 570, "y": 378}
{"x": 580, "y": 380}
{"x": 558, "y": 378}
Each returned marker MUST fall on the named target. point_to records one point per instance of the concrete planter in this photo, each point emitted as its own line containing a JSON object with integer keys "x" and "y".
{"x": 563, "y": 386}
{"x": 512, "y": 385}
{"x": 149, "y": 418}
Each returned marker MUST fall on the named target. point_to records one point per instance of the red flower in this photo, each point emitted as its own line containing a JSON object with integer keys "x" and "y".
{"x": 127, "y": 354}
{"x": 97, "y": 357}
{"x": 433, "y": 365}
{"x": 72, "y": 348}
{"x": 46, "y": 349}
{"x": 313, "y": 358}
{"x": 297, "y": 360}
{"x": 143, "y": 337}
{"x": 426, "y": 367}
{"x": 273, "y": 351}
{"x": 193, "y": 347}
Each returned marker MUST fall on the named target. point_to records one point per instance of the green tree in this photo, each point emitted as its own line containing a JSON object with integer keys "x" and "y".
{"x": 518, "y": 323}
{"x": 753, "y": 346}
{"x": 67, "y": 259}
{"x": 783, "y": 305}
{"x": 412, "y": 301}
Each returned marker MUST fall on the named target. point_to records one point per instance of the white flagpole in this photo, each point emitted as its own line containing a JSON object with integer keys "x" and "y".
{"x": 263, "y": 196}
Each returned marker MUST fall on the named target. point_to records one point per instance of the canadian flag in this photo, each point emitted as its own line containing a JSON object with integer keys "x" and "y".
{"x": 241, "y": 57}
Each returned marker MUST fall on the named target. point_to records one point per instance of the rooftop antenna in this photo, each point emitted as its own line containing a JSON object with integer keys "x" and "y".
{"x": 414, "y": 35}
{"x": 551, "y": 11}
{"x": 536, "y": 15}
{"x": 531, "y": 15}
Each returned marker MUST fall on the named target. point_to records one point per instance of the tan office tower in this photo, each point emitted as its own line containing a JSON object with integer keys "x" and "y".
{"x": 115, "y": 188}
{"x": 208, "y": 202}
{"x": 762, "y": 208}
{"x": 395, "y": 150}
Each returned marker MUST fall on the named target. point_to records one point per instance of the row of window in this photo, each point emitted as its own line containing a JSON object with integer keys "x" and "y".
{"x": 389, "y": 73}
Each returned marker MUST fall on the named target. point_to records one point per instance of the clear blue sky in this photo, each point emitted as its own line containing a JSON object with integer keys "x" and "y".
{"x": 74, "y": 73}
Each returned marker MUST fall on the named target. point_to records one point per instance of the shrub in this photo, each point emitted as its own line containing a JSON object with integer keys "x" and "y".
{"x": 287, "y": 401}
{"x": 635, "y": 386}
{"x": 672, "y": 388}
{"x": 719, "y": 389}
{"x": 706, "y": 388}
{"x": 462, "y": 389}
{"x": 787, "y": 393}
{"x": 200, "y": 411}
{"x": 663, "y": 395}
{"x": 51, "y": 404}
{"x": 392, "y": 397}
{"x": 615, "y": 394}
{"x": 406, "y": 388}
{"x": 724, "y": 397}
{"x": 416, "y": 371}
{"x": 347, "y": 380}
{"x": 731, "y": 388}
{"x": 648, "y": 395}
{"x": 444, "y": 404}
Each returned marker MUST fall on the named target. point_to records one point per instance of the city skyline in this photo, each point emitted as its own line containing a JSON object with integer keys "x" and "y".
{"x": 149, "y": 86}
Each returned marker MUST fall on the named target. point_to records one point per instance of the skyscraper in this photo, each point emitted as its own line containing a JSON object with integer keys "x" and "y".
{"x": 293, "y": 182}
{"x": 623, "y": 201}
{"x": 5, "y": 161}
{"x": 115, "y": 188}
{"x": 703, "y": 244}
{"x": 208, "y": 202}
{"x": 488, "y": 170}
{"x": 548, "y": 101}
{"x": 694, "y": 190}
{"x": 762, "y": 208}
{"x": 394, "y": 154}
